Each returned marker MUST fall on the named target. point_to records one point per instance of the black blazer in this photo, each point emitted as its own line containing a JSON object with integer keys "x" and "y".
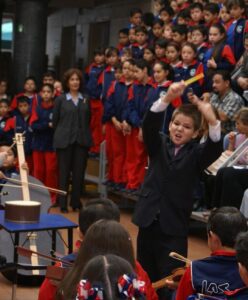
{"x": 168, "y": 187}
{"x": 71, "y": 123}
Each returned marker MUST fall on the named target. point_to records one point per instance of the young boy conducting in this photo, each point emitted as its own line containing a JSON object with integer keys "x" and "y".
{"x": 165, "y": 203}
{"x": 218, "y": 273}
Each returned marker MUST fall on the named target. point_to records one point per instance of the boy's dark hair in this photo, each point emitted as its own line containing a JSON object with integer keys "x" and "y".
{"x": 151, "y": 49}
{"x": 202, "y": 29}
{"x": 141, "y": 29}
{"x": 5, "y": 101}
{"x": 95, "y": 210}
{"x": 196, "y": 5}
{"x": 99, "y": 51}
{"x": 190, "y": 111}
{"x": 4, "y": 143}
{"x": 184, "y": 14}
{"x": 227, "y": 222}
{"x": 3, "y": 80}
{"x": 148, "y": 18}
{"x": 224, "y": 74}
{"x": 239, "y": 3}
{"x": 181, "y": 29}
{"x": 162, "y": 43}
{"x": 167, "y": 9}
{"x": 23, "y": 99}
{"x": 213, "y": 8}
{"x": 175, "y": 45}
{"x": 49, "y": 74}
{"x": 124, "y": 31}
{"x": 158, "y": 21}
{"x": 135, "y": 11}
{"x": 110, "y": 51}
{"x": 246, "y": 35}
{"x": 50, "y": 86}
{"x": 241, "y": 248}
{"x": 142, "y": 64}
{"x": 30, "y": 78}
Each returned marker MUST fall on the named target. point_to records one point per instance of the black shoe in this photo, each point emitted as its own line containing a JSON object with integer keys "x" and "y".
{"x": 64, "y": 210}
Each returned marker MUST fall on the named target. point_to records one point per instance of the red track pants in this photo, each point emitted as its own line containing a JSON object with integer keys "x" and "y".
{"x": 96, "y": 124}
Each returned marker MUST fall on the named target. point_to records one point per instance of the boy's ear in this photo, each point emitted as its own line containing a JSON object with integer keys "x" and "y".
{"x": 195, "y": 134}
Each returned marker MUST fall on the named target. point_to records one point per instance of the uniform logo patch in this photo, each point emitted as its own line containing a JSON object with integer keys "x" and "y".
{"x": 50, "y": 116}
{"x": 162, "y": 94}
{"x": 192, "y": 72}
{"x": 2, "y": 125}
{"x": 239, "y": 28}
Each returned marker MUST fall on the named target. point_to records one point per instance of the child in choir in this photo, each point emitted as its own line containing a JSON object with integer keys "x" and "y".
{"x": 238, "y": 28}
{"x": 179, "y": 33}
{"x": 131, "y": 36}
{"x": 189, "y": 67}
{"x": 166, "y": 14}
{"x": 157, "y": 30}
{"x": 92, "y": 75}
{"x": 173, "y": 54}
{"x": 211, "y": 14}
{"x": 123, "y": 39}
{"x": 183, "y": 17}
{"x": 136, "y": 157}
{"x": 44, "y": 156}
{"x": 157, "y": 6}
{"x": 218, "y": 273}
{"x": 135, "y": 18}
{"x": 199, "y": 39}
{"x": 58, "y": 88}
{"x": 163, "y": 75}
{"x": 108, "y": 75}
{"x": 219, "y": 55}
{"x": 141, "y": 37}
{"x": 241, "y": 248}
{"x": 160, "y": 49}
{"x": 196, "y": 14}
{"x": 225, "y": 17}
{"x": 48, "y": 78}
{"x": 126, "y": 55}
{"x": 149, "y": 56}
{"x": 20, "y": 124}
{"x": 167, "y": 32}
{"x": 4, "y": 116}
{"x": 29, "y": 91}
{"x": 3, "y": 89}
{"x": 114, "y": 106}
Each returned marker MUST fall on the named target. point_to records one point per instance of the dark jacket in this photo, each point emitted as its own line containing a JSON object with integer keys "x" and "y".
{"x": 71, "y": 122}
{"x": 169, "y": 184}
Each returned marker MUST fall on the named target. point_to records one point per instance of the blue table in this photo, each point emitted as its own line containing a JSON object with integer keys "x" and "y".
{"x": 47, "y": 222}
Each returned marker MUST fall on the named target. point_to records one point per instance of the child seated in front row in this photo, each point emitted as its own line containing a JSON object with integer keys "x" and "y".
{"x": 241, "y": 248}
{"x": 218, "y": 273}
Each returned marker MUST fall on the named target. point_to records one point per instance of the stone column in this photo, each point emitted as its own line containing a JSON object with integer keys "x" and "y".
{"x": 29, "y": 40}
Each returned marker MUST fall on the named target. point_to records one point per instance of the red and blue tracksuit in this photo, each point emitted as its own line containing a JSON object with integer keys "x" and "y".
{"x": 93, "y": 88}
{"x": 235, "y": 36}
{"x": 105, "y": 80}
{"x": 138, "y": 50}
{"x": 225, "y": 60}
{"x": 34, "y": 101}
{"x": 19, "y": 124}
{"x": 157, "y": 91}
{"x": 212, "y": 276}
{"x": 136, "y": 159}
{"x": 115, "y": 106}
{"x": 201, "y": 50}
{"x": 239, "y": 294}
{"x": 44, "y": 156}
{"x": 184, "y": 72}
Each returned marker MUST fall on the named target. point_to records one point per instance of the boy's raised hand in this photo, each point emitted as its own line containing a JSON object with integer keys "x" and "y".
{"x": 175, "y": 90}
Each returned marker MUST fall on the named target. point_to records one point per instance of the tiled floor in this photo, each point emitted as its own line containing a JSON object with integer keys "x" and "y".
{"x": 197, "y": 249}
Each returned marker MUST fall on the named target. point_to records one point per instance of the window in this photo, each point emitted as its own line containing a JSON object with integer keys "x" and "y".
{"x": 7, "y": 33}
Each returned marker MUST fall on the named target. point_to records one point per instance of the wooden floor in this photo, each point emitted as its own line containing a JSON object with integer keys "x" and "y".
{"x": 197, "y": 249}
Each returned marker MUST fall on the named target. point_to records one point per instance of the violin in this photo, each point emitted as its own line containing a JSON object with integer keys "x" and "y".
{"x": 176, "y": 274}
